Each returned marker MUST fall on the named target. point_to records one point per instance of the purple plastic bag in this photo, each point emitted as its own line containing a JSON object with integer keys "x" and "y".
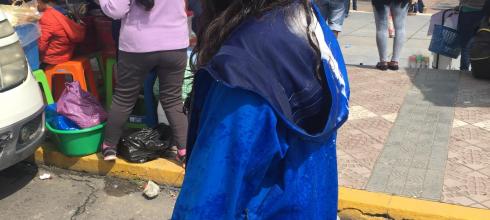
{"x": 80, "y": 106}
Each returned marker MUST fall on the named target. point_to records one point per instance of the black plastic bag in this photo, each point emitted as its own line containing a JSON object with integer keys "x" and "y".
{"x": 145, "y": 145}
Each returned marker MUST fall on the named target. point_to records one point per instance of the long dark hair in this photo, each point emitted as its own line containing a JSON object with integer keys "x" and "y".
{"x": 220, "y": 17}
{"x": 148, "y": 4}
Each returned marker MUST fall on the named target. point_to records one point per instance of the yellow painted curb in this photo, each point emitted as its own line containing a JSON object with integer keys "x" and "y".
{"x": 398, "y": 207}
{"x": 369, "y": 203}
{"x": 160, "y": 171}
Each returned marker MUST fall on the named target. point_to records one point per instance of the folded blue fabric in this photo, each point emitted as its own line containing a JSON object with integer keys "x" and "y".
{"x": 58, "y": 121}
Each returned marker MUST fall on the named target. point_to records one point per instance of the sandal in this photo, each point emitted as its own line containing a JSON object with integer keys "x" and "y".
{"x": 382, "y": 66}
{"x": 109, "y": 153}
{"x": 181, "y": 156}
{"x": 393, "y": 65}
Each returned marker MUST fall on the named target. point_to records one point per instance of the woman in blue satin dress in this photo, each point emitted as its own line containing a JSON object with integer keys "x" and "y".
{"x": 270, "y": 92}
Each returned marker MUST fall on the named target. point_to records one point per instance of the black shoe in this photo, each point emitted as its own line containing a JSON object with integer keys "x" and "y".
{"x": 393, "y": 65}
{"x": 382, "y": 66}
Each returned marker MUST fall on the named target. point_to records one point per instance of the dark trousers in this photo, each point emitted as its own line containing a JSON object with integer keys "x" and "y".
{"x": 132, "y": 69}
{"x": 467, "y": 27}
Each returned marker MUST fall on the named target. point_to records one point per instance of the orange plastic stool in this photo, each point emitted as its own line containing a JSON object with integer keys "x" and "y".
{"x": 79, "y": 69}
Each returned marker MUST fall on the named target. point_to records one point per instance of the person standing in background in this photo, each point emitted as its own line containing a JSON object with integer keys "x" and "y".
{"x": 154, "y": 35}
{"x": 470, "y": 16}
{"x": 399, "y": 11}
{"x": 334, "y": 13}
{"x": 195, "y": 7}
{"x": 346, "y": 7}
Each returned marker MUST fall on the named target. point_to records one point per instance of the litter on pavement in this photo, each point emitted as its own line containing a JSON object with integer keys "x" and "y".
{"x": 151, "y": 190}
{"x": 45, "y": 176}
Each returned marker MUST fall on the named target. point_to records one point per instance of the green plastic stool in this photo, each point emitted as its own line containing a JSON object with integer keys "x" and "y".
{"x": 100, "y": 62}
{"x": 41, "y": 78}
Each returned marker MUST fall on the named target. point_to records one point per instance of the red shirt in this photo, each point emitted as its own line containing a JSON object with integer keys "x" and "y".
{"x": 59, "y": 36}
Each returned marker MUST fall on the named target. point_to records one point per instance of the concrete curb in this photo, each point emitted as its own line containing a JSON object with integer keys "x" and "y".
{"x": 397, "y": 207}
{"x": 161, "y": 171}
{"x": 371, "y": 205}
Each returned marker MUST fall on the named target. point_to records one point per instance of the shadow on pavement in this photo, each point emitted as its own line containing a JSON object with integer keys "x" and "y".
{"x": 451, "y": 88}
{"x": 16, "y": 177}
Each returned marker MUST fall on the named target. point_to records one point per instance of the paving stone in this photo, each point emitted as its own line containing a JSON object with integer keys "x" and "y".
{"x": 438, "y": 159}
{"x": 421, "y": 160}
{"x": 378, "y": 180}
{"x": 390, "y": 117}
{"x": 458, "y": 123}
{"x": 485, "y": 170}
{"x": 472, "y": 157}
{"x": 473, "y": 135}
{"x": 459, "y": 200}
{"x": 478, "y": 206}
{"x": 397, "y": 180}
{"x": 472, "y": 115}
{"x": 351, "y": 172}
{"x": 415, "y": 182}
{"x": 433, "y": 185}
{"x": 427, "y": 138}
{"x": 461, "y": 181}
{"x": 486, "y": 204}
{"x": 484, "y": 125}
{"x": 359, "y": 112}
{"x": 418, "y": 141}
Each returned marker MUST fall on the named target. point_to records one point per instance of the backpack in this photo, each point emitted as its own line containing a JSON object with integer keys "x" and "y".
{"x": 480, "y": 51}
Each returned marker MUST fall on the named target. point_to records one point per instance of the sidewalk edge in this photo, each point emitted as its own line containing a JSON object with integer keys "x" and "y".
{"x": 397, "y": 207}
{"x": 161, "y": 171}
{"x": 166, "y": 172}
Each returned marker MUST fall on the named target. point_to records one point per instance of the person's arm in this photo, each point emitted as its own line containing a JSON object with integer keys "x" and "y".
{"x": 46, "y": 34}
{"x": 235, "y": 146}
{"x": 115, "y": 9}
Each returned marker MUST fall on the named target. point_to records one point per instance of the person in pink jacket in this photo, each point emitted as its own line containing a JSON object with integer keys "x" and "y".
{"x": 154, "y": 36}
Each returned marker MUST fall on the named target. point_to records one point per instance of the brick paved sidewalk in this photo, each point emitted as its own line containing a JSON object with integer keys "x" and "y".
{"x": 418, "y": 133}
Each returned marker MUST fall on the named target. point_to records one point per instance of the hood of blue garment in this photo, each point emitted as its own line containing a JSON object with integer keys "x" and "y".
{"x": 264, "y": 56}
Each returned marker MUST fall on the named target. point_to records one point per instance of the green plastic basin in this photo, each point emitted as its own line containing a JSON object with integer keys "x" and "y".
{"x": 78, "y": 142}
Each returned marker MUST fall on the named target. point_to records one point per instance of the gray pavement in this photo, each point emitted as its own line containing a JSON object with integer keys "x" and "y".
{"x": 72, "y": 195}
{"x": 358, "y": 39}
{"x": 420, "y": 133}
{"x": 414, "y": 156}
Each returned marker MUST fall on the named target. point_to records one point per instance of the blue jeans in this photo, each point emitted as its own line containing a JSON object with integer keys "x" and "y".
{"x": 399, "y": 12}
{"x": 467, "y": 27}
{"x": 334, "y": 12}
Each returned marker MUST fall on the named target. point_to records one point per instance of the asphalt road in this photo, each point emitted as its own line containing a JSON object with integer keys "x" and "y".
{"x": 73, "y": 195}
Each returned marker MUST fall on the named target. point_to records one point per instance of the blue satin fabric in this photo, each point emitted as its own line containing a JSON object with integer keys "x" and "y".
{"x": 250, "y": 157}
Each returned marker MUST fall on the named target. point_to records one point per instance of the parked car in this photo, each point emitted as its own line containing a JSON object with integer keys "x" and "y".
{"x": 22, "y": 123}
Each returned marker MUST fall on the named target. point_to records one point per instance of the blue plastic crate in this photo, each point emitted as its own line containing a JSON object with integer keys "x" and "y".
{"x": 445, "y": 41}
{"x": 28, "y": 36}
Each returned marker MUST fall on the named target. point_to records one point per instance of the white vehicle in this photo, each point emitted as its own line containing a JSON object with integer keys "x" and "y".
{"x": 21, "y": 101}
